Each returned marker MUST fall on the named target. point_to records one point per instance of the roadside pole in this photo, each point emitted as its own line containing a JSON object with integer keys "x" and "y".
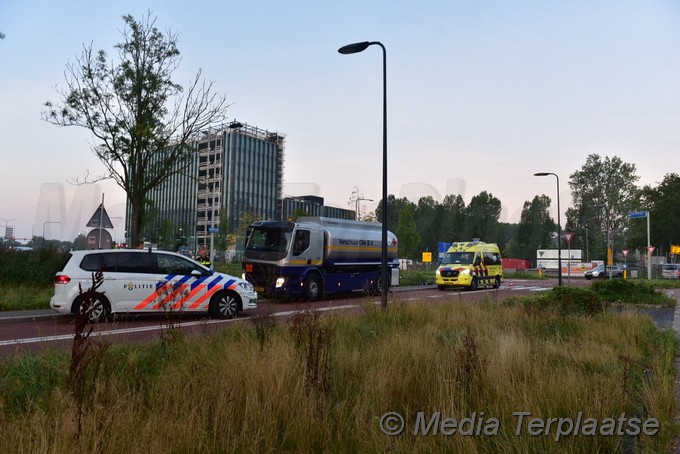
{"x": 650, "y": 248}
{"x": 649, "y": 251}
{"x": 568, "y": 236}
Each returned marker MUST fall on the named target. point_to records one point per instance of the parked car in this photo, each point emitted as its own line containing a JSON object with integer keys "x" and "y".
{"x": 671, "y": 271}
{"x": 143, "y": 281}
{"x": 599, "y": 272}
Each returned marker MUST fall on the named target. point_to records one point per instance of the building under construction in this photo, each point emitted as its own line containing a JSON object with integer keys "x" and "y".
{"x": 238, "y": 170}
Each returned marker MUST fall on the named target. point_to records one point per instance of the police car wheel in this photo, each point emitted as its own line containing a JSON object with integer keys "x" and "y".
{"x": 224, "y": 305}
{"x": 99, "y": 309}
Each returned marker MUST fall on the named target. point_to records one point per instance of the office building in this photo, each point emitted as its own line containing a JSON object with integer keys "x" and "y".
{"x": 237, "y": 169}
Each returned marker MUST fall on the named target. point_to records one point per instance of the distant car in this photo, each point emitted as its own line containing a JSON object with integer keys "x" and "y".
{"x": 671, "y": 271}
{"x": 599, "y": 272}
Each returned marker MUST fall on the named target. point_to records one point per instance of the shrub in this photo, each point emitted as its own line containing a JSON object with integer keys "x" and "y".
{"x": 566, "y": 300}
{"x": 630, "y": 291}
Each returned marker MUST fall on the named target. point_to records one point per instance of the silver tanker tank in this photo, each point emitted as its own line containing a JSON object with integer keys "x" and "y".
{"x": 351, "y": 240}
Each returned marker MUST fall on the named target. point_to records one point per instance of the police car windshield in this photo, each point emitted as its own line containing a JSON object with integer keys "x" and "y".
{"x": 459, "y": 258}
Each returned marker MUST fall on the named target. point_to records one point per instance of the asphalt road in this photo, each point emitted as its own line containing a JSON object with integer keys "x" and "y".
{"x": 26, "y": 331}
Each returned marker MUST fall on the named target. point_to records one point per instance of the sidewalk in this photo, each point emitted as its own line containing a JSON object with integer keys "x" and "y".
{"x": 38, "y": 314}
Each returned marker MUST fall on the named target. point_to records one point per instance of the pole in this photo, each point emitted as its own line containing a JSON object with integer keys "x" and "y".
{"x": 569, "y": 267}
{"x": 649, "y": 254}
{"x": 353, "y": 49}
{"x": 559, "y": 226}
{"x": 212, "y": 218}
{"x": 101, "y": 220}
{"x": 385, "y": 282}
{"x": 559, "y": 234}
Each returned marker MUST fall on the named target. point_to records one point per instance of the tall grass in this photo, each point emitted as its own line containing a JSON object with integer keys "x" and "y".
{"x": 235, "y": 392}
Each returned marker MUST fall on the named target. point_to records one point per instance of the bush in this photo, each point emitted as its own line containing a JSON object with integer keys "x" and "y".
{"x": 33, "y": 267}
{"x": 630, "y": 291}
{"x": 565, "y": 300}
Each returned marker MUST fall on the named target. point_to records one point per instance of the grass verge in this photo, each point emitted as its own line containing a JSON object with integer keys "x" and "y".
{"x": 326, "y": 383}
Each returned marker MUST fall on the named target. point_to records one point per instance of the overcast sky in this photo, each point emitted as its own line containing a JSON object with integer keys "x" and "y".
{"x": 481, "y": 95}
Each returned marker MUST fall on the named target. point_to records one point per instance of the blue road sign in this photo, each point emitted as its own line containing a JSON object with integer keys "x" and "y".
{"x": 637, "y": 214}
{"x": 213, "y": 230}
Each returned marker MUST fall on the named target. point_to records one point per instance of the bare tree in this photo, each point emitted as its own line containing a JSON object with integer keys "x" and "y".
{"x": 143, "y": 122}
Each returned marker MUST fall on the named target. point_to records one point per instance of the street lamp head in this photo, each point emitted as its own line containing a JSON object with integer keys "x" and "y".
{"x": 354, "y": 48}
{"x": 542, "y": 174}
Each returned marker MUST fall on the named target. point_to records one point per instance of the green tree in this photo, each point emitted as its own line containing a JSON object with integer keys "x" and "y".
{"x": 298, "y": 213}
{"x": 603, "y": 193}
{"x": 535, "y": 229}
{"x": 483, "y": 213}
{"x": 428, "y": 216}
{"x": 166, "y": 235}
{"x": 663, "y": 204}
{"x": 394, "y": 207}
{"x": 453, "y": 220}
{"x": 407, "y": 233}
{"x": 143, "y": 122}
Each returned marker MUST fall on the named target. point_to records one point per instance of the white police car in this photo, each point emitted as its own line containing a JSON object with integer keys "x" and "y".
{"x": 143, "y": 281}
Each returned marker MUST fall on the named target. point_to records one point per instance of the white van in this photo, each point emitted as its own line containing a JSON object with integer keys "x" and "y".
{"x": 142, "y": 281}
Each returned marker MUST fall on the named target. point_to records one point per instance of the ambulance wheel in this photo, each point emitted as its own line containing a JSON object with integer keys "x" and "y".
{"x": 474, "y": 284}
{"x": 224, "y": 305}
{"x": 313, "y": 288}
{"x": 441, "y": 287}
{"x": 99, "y": 309}
{"x": 497, "y": 282}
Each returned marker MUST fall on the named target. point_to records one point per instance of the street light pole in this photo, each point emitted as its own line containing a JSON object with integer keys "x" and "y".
{"x": 587, "y": 257}
{"x": 356, "y": 211}
{"x": 353, "y": 49}
{"x": 559, "y": 226}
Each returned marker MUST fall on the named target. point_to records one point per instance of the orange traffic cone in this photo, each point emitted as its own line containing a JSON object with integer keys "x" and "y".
{"x": 511, "y": 284}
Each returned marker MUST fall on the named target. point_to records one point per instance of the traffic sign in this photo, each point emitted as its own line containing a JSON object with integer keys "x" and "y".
{"x": 625, "y": 252}
{"x": 637, "y": 214}
{"x": 675, "y": 249}
{"x": 568, "y": 236}
{"x": 651, "y": 249}
{"x": 213, "y": 230}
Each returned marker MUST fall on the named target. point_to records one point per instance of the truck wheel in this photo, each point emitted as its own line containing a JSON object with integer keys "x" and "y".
{"x": 377, "y": 283}
{"x": 313, "y": 288}
{"x": 474, "y": 284}
{"x": 224, "y": 305}
{"x": 99, "y": 309}
{"x": 497, "y": 282}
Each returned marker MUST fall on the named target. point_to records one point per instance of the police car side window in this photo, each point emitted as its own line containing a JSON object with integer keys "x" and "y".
{"x": 98, "y": 262}
{"x": 170, "y": 264}
{"x": 92, "y": 262}
{"x": 131, "y": 262}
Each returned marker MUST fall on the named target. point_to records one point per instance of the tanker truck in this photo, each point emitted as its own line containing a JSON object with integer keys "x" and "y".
{"x": 317, "y": 256}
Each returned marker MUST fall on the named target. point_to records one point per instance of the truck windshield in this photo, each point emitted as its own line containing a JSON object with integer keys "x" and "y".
{"x": 458, "y": 258}
{"x": 266, "y": 239}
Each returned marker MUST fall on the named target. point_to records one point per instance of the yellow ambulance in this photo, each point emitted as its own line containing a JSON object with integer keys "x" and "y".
{"x": 471, "y": 264}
